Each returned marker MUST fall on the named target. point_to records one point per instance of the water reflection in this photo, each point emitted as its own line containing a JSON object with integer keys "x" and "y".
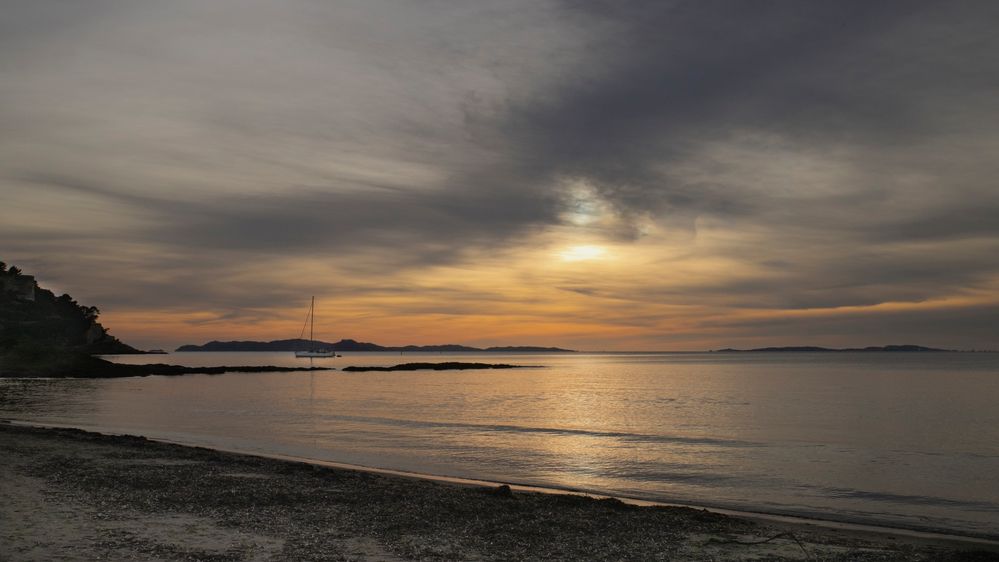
{"x": 887, "y": 437}
{"x": 54, "y": 399}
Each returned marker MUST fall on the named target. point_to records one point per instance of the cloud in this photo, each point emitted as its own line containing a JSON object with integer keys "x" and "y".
{"x": 786, "y": 156}
{"x": 852, "y": 78}
{"x": 833, "y": 136}
{"x": 954, "y": 327}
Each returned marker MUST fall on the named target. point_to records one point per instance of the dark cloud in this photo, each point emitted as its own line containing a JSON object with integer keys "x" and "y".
{"x": 843, "y": 150}
{"x": 412, "y": 227}
{"x": 887, "y": 87}
{"x": 676, "y": 73}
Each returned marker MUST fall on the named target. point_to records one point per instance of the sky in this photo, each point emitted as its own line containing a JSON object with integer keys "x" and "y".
{"x": 596, "y": 175}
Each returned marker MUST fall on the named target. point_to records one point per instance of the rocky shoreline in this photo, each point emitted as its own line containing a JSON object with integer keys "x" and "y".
{"x": 84, "y": 366}
{"x": 445, "y": 366}
{"x": 70, "y": 494}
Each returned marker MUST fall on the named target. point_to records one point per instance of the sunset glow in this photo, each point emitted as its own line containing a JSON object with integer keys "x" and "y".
{"x": 518, "y": 180}
{"x": 580, "y": 253}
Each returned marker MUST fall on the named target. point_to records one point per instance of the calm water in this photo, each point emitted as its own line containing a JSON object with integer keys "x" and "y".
{"x": 899, "y": 439}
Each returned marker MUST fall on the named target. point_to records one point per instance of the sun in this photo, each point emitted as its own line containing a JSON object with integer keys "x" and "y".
{"x": 581, "y": 253}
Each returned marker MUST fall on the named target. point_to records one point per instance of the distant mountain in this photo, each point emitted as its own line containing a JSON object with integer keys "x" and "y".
{"x": 352, "y": 345}
{"x": 280, "y": 345}
{"x": 450, "y": 347}
{"x": 529, "y": 349}
{"x": 813, "y": 349}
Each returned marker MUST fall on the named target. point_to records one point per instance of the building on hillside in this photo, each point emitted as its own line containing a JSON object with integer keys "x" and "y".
{"x": 23, "y": 286}
{"x": 95, "y": 333}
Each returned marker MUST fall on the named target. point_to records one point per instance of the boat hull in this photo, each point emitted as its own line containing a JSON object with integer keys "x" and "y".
{"x": 315, "y": 353}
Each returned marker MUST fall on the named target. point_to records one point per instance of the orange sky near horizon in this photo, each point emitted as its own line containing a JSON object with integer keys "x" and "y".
{"x": 595, "y": 176}
{"x": 591, "y": 297}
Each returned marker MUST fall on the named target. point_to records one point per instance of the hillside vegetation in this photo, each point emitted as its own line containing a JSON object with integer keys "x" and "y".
{"x": 42, "y": 333}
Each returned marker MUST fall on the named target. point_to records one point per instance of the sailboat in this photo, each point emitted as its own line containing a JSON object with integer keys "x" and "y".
{"x": 313, "y": 351}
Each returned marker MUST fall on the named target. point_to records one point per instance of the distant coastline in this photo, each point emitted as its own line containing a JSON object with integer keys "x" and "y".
{"x": 813, "y": 349}
{"x": 352, "y": 345}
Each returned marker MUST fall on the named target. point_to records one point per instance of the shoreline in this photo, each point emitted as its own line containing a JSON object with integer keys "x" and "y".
{"x": 915, "y": 533}
{"x": 77, "y": 365}
{"x": 774, "y": 518}
{"x": 724, "y": 535}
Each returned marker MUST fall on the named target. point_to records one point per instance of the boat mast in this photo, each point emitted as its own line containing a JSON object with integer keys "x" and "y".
{"x": 312, "y": 324}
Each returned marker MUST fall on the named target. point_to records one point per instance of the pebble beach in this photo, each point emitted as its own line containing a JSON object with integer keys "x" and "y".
{"x": 74, "y": 495}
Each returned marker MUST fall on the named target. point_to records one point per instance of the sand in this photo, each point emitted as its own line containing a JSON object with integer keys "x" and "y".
{"x": 73, "y": 495}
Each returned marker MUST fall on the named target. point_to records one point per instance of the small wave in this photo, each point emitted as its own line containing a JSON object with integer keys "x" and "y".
{"x": 973, "y": 505}
{"x": 673, "y": 476}
{"x": 501, "y": 428}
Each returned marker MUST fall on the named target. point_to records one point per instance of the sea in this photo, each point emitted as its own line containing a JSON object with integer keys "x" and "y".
{"x": 905, "y": 440}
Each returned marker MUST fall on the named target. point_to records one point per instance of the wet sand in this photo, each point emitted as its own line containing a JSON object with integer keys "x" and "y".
{"x": 73, "y": 495}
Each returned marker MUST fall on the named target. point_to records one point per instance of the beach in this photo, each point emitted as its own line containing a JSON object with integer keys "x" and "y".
{"x": 75, "y": 495}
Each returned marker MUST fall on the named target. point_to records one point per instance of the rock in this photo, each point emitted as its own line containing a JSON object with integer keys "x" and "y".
{"x": 502, "y": 491}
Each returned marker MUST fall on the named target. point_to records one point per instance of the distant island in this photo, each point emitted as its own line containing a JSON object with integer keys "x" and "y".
{"x": 812, "y": 349}
{"x": 352, "y": 345}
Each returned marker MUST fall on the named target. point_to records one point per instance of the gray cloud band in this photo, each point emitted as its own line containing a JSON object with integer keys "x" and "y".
{"x": 822, "y": 127}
